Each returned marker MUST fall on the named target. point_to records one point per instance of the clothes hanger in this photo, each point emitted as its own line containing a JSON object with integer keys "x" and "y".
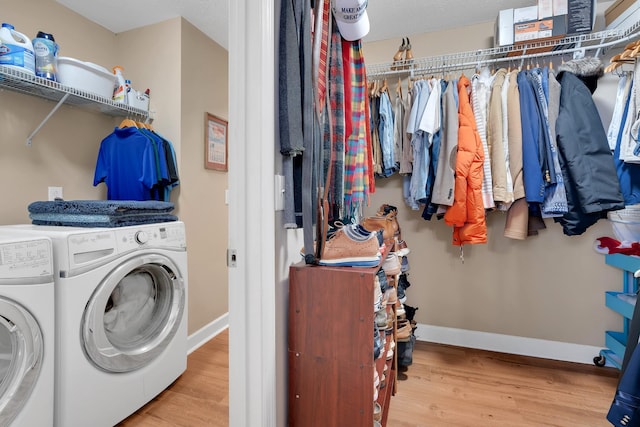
{"x": 384, "y": 87}
{"x": 128, "y": 123}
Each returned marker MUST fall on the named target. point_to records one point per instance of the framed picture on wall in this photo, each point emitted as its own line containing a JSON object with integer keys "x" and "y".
{"x": 215, "y": 143}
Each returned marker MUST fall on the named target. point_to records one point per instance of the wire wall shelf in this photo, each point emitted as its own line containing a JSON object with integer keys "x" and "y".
{"x": 20, "y": 81}
{"x": 575, "y": 45}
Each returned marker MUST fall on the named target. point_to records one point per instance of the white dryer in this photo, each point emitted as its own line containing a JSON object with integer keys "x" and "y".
{"x": 121, "y": 318}
{"x": 26, "y": 331}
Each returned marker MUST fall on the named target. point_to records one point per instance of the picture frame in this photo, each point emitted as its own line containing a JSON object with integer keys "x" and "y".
{"x": 215, "y": 143}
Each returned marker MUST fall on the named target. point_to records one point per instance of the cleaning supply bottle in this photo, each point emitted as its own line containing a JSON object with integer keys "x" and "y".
{"x": 128, "y": 91}
{"x": 120, "y": 90}
{"x": 16, "y": 50}
{"x": 46, "y": 53}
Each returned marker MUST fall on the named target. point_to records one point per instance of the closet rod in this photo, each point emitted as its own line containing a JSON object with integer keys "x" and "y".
{"x": 466, "y": 60}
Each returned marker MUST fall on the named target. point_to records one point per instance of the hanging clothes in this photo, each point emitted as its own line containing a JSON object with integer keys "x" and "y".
{"x": 435, "y": 126}
{"x": 334, "y": 126}
{"x": 628, "y": 173}
{"x": 419, "y": 143}
{"x": 516, "y": 224}
{"x": 358, "y": 160}
{"x": 585, "y": 158}
{"x": 529, "y": 115}
{"x": 133, "y": 164}
{"x": 467, "y": 216}
{"x": 386, "y": 135}
{"x": 444, "y": 184}
{"x": 480, "y": 92}
{"x": 293, "y": 76}
{"x": 496, "y": 140}
{"x": 555, "y": 199}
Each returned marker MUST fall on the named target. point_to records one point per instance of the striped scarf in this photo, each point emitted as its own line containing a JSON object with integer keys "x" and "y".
{"x": 357, "y": 158}
{"x": 334, "y": 125}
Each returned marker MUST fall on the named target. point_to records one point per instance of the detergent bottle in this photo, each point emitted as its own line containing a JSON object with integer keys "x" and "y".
{"x": 46, "y": 52}
{"x": 16, "y": 50}
{"x": 120, "y": 90}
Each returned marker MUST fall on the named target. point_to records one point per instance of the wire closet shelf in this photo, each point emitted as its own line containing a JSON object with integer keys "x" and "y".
{"x": 515, "y": 54}
{"x": 20, "y": 81}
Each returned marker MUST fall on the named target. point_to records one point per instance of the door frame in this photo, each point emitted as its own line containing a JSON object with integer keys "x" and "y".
{"x": 252, "y": 304}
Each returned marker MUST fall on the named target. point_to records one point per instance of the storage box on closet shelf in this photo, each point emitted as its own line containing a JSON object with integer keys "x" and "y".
{"x": 626, "y": 223}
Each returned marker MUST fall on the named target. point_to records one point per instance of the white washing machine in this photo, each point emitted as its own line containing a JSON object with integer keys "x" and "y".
{"x": 27, "y": 329}
{"x": 121, "y": 318}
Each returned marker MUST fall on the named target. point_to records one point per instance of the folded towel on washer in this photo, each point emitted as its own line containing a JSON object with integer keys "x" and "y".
{"x": 94, "y": 220}
{"x": 101, "y": 207}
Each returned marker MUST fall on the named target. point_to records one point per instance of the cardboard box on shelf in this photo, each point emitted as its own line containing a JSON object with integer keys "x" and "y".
{"x": 560, "y": 7}
{"x": 540, "y": 29}
{"x": 527, "y": 31}
{"x": 622, "y": 13}
{"x": 525, "y": 14}
{"x": 510, "y": 27}
{"x": 581, "y": 16}
{"x": 545, "y": 9}
{"x": 504, "y": 28}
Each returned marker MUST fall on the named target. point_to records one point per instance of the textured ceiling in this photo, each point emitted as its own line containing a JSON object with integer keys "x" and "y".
{"x": 389, "y": 18}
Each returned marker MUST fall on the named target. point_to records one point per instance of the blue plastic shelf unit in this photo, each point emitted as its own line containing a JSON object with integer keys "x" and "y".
{"x": 622, "y": 303}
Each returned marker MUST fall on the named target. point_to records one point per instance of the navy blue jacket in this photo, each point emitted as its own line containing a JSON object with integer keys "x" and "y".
{"x": 585, "y": 158}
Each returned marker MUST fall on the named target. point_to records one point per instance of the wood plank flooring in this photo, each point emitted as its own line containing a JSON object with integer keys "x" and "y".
{"x": 445, "y": 386}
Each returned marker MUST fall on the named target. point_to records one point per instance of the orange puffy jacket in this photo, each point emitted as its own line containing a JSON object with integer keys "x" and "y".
{"x": 467, "y": 215}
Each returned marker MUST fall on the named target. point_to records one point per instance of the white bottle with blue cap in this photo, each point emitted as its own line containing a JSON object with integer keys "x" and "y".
{"x": 16, "y": 50}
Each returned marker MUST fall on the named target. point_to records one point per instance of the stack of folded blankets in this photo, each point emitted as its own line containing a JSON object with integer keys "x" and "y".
{"x": 100, "y": 213}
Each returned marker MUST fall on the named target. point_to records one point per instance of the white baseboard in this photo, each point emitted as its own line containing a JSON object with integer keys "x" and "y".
{"x": 508, "y": 344}
{"x": 523, "y": 346}
{"x": 204, "y": 334}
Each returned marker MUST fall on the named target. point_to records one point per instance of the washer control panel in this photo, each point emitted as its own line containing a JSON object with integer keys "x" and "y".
{"x": 166, "y": 235}
{"x": 25, "y": 258}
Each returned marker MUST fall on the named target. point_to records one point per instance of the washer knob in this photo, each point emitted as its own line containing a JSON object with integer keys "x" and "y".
{"x": 141, "y": 237}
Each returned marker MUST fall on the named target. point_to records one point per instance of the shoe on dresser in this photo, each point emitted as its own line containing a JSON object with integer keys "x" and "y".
{"x": 351, "y": 246}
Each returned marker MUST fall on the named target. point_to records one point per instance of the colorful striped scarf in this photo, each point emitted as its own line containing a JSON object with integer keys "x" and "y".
{"x": 357, "y": 158}
{"x": 334, "y": 126}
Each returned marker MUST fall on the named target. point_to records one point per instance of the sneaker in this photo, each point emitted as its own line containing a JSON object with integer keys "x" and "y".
{"x": 402, "y": 296}
{"x": 377, "y": 297}
{"x": 377, "y": 412}
{"x": 377, "y": 342}
{"x": 391, "y": 264}
{"x": 403, "y": 334}
{"x": 351, "y": 246}
{"x": 411, "y": 311}
{"x": 403, "y": 282}
{"x": 387, "y": 223}
{"x": 381, "y": 319}
{"x": 392, "y": 297}
{"x": 382, "y": 279}
{"x": 401, "y": 248}
{"x": 400, "y": 312}
{"x": 390, "y": 351}
{"x": 404, "y": 264}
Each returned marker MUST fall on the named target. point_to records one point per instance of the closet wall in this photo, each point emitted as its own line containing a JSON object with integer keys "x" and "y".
{"x": 548, "y": 287}
{"x": 64, "y": 152}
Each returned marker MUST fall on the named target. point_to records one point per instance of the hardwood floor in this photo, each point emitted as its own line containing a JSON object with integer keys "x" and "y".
{"x": 453, "y": 386}
{"x": 445, "y": 386}
{"x": 200, "y": 397}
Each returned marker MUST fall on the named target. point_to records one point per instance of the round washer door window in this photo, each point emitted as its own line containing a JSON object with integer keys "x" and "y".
{"x": 133, "y": 314}
{"x": 21, "y": 353}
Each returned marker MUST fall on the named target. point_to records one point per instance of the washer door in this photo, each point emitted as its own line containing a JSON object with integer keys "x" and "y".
{"x": 133, "y": 314}
{"x": 21, "y": 353}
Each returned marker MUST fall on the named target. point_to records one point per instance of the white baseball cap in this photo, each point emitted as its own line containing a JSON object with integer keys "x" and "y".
{"x": 352, "y": 19}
